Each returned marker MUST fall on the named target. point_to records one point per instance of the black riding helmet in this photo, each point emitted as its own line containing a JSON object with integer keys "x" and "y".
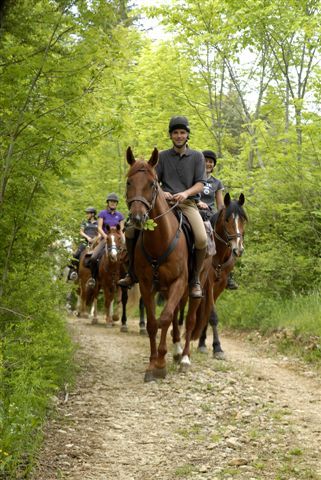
{"x": 90, "y": 210}
{"x": 178, "y": 122}
{"x": 112, "y": 196}
{"x": 210, "y": 154}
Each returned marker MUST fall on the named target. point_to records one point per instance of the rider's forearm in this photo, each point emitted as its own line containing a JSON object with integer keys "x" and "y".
{"x": 197, "y": 188}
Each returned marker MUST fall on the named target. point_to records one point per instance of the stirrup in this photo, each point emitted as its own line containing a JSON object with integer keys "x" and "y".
{"x": 127, "y": 281}
{"x": 73, "y": 276}
{"x": 91, "y": 283}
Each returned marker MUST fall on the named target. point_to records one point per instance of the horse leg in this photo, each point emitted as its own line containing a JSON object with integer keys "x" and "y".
{"x": 142, "y": 327}
{"x": 116, "y": 305}
{"x": 124, "y": 300}
{"x": 190, "y": 324}
{"x": 201, "y": 343}
{"x": 178, "y": 350}
{"x": 167, "y": 316}
{"x": 218, "y": 353}
{"x": 152, "y": 328}
{"x": 108, "y": 304}
{"x": 83, "y": 303}
{"x": 95, "y": 311}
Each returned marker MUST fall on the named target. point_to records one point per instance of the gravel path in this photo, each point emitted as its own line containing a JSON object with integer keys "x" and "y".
{"x": 251, "y": 417}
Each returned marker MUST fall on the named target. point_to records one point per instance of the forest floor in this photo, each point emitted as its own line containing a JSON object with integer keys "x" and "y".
{"x": 255, "y": 416}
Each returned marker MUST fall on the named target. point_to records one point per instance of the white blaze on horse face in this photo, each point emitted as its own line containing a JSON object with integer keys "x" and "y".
{"x": 113, "y": 248}
{"x": 237, "y": 243}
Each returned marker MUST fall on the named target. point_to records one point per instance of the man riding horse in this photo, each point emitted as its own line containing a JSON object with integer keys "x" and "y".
{"x": 181, "y": 173}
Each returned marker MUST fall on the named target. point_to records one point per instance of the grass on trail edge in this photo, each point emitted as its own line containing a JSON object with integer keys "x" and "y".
{"x": 294, "y": 324}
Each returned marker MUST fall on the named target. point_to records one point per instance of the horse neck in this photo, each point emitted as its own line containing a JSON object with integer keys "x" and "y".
{"x": 166, "y": 220}
{"x": 223, "y": 251}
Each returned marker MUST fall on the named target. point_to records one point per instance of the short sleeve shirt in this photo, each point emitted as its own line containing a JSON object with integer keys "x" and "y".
{"x": 109, "y": 218}
{"x": 89, "y": 228}
{"x": 212, "y": 185}
{"x": 177, "y": 172}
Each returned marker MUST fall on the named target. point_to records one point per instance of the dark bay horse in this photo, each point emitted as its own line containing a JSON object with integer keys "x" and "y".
{"x": 160, "y": 263}
{"x": 229, "y": 231}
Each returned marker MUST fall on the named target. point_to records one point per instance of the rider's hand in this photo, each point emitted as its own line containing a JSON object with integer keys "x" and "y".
{"x": 180, "y": 197}
{"x": 168, "y": 196}
{"x": 203, "y": 205}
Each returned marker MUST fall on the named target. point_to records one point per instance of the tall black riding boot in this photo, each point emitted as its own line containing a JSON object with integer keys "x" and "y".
{"x": 195, "y": 287}
{"x": 129, "y": 280}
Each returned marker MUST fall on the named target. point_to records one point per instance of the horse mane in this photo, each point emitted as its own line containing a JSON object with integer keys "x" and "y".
{"x": 141, "y": 165}
{"x": 237, "y": 209}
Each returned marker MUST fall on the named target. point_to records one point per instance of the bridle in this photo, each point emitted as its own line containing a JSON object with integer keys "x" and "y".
{"x": 148, "y": 204}
{"x": 227, "y": 235}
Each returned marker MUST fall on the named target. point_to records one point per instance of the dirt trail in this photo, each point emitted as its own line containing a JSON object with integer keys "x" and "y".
{"x": 251, "y": 417}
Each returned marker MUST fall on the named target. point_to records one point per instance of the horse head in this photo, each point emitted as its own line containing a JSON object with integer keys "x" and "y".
{"x": 141, "y": 187}
{"x": 114, "y": 243}
{"x": 232, "y": 222}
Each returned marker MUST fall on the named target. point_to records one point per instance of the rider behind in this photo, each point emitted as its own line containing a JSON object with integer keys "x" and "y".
{"x": 212, "y": 201}
{"x": 88, "y": 233}
{"x": 181, "y": 173}
{"x": 109, "y": 216}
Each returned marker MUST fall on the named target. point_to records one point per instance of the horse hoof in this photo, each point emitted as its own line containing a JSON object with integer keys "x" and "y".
{"x": 94, "y": 321}
{"x": 149, "y": 376}
{"x": 160, "y": 372}
{"x": 219, "y": 355}
{"x": 124, "y": 328}
{"x": 142, "y": 331}
{"x": 177, "y": 358}
{"x": 109, "y": 325}
{"x": 202, "y": 349}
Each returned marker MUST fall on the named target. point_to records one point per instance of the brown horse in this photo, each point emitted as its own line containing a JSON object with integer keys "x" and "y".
{"x": 87, "y": 297}
{"x": 110, "y": 269}
{"x": 229, "y": 235}
{"x": 160, "y": 262}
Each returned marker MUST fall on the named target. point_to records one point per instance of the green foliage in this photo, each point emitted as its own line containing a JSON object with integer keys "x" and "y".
{"x": 293, "y": 322}
{"x": 36, "y": 363}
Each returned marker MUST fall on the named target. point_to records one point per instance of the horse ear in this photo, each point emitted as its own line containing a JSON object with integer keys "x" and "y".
{"x": 241, "y": 199}
{"x": 154, "y": 158}
{"x": 227, "y": 199}
{"x": 118, "y": 226}
{"x": 129, "y": 156}
{"x": 107, "y": 227}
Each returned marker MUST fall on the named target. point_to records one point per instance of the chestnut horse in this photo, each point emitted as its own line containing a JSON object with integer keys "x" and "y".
{"x": 160, "y": 263}
{"x": 110, "y": 271}
{"x": 229, "y": 235}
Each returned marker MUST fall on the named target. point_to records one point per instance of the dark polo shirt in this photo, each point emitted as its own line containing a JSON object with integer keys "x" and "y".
{"x": 177, "y": 172}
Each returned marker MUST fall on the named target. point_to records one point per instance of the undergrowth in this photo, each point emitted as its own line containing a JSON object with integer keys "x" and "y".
{"x": 36, "y": 362}
{"x": 294, "y": 323}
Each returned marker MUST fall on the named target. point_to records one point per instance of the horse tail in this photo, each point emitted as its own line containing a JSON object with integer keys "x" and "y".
{"x": 203, "y": 312}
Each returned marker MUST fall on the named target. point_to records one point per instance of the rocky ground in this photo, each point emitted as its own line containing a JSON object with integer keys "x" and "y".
{"x": 254, "y": 416}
